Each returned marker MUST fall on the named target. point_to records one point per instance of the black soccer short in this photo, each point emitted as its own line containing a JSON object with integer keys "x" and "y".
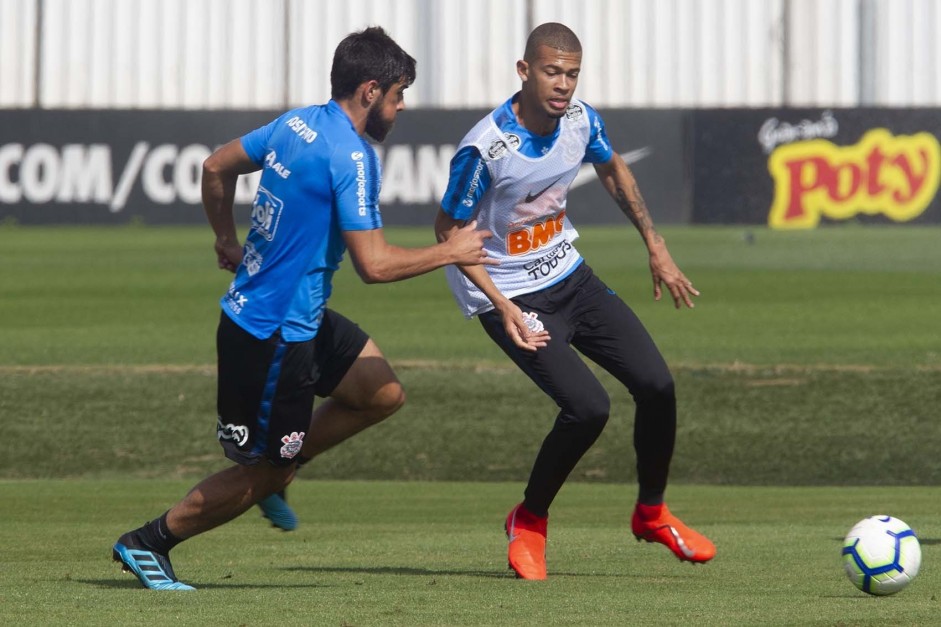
{"x": 266, "y": 387}
{"x": 582, "y": 312}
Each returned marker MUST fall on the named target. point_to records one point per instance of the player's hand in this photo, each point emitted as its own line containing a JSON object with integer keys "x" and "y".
{"x": 524, "y": 329}
{"x": 467, "y": 246}
{"x": 665, "y": 272}
{"x": 229, "y": 254}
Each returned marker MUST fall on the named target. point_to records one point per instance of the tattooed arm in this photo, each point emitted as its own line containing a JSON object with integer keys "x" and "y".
{"x": 618, "y": 180}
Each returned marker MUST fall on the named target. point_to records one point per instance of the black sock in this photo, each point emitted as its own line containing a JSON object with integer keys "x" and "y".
{"x": 650, "y": 497}
{"x": 157, "y": 536}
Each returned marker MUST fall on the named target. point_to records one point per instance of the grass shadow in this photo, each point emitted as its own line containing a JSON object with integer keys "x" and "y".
{"x": 921, "y": 541}
{"x": 397, "y": 570}
{"x": 433, "y": 572}
{"x": 134, "y": 584}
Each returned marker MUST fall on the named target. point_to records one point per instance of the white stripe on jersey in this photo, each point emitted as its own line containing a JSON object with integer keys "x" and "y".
{"x": 524, "y": 208}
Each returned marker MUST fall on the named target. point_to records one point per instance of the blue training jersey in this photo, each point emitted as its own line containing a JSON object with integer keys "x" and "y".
{"x": 320, "y": 178}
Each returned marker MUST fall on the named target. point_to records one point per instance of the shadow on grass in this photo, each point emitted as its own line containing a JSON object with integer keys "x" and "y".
{"x": 921, "y": 541}
{"x": 431, "y": 572}
{"x": 398, "y": 570}
{"x": 134, "y": 584}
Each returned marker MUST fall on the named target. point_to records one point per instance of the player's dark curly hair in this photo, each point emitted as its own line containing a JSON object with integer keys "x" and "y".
{"x": 369, "y": 55}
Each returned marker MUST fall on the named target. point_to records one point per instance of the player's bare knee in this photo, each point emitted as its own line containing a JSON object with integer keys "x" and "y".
{"x": 395, "y": 399}
{"x": 268, "y": 477}
{"x": 389, "y": 400}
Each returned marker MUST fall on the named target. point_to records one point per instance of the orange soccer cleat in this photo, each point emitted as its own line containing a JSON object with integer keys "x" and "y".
{"x": 655, "y": 523}
{"x": 526, "y": 533}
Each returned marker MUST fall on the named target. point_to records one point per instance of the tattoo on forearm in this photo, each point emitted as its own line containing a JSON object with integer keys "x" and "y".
{"x": 636, "y": 210}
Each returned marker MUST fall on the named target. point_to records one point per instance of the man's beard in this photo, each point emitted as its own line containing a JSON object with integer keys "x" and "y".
{"x": 376, "y": 127}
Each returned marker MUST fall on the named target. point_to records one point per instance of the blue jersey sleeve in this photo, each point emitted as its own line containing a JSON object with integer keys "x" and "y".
{"x": 468, "y": 181}
{"x": 599, "y": 148}
{"x": 256, "y": 142}
{"x": 356, "y": 176}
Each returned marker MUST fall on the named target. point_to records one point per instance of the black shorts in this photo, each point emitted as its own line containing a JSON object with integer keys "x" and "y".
{"x": 266, "y": 387}
{"x": 582, "y": 312}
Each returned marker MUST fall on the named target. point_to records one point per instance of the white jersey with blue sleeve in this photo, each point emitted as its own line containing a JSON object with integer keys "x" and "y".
{"x": 515, "y": 184}
{"x": 319, "y": 178}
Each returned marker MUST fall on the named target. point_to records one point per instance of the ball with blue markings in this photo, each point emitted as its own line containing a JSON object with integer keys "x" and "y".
{"x": 881, "y": 555}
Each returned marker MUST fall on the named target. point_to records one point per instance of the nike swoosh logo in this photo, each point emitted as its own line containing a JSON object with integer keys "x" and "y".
{"x": 688, "y": 552}
{"x": 531, "y": 197}
{"x": 511, "y": 528}
{"x": 586, "y": 173}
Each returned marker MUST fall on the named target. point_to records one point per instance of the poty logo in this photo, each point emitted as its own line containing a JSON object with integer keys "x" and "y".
{"x": 894, "y": 175}
{"x": 534, "y": 237}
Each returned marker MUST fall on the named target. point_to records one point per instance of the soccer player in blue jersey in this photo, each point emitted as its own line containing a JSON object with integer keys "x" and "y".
{"x": 278, "y": 344}
{"x": 511, "y": 173}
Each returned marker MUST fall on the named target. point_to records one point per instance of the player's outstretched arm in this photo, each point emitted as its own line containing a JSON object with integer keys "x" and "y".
{"x": 446, "y": 229}
{"x": 378, "y": 261}
{"x": 620, "y": 183}
{"x": 221, "y": 171}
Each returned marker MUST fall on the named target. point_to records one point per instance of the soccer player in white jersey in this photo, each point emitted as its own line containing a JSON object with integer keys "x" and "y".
{"x": 511, "y": 174}
{"x": 278, "y": 343}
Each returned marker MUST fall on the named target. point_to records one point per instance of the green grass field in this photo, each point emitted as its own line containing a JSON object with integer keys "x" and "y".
{"x": 394, "y": 553}
{"x": 809, "y": 381}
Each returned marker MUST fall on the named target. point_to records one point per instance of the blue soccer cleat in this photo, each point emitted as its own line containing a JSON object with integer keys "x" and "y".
{"x": 152, "y": 569}
{"x": 276, "y": 509}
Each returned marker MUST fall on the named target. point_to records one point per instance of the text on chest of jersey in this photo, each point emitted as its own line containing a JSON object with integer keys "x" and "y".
{"x": 539, "y": 235}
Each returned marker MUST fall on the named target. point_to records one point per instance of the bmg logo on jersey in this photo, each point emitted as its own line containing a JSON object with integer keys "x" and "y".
{"x": 266, "y": 213}
{"x": 539, "y": 235}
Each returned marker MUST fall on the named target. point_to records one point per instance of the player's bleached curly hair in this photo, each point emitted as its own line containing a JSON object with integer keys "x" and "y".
{"x": 553, "y": 35}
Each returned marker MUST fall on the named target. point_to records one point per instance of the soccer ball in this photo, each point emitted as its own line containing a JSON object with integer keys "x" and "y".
{"x": 881, "y": 555}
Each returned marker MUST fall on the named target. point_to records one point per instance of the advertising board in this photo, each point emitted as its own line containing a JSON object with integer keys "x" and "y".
{"x": 800, "y": 168}
{"x": 112, "y": 167}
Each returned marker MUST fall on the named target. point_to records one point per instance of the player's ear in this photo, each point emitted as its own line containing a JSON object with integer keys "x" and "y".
{"x": 371, "y": 92}
{"x": 522, "y": 69}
